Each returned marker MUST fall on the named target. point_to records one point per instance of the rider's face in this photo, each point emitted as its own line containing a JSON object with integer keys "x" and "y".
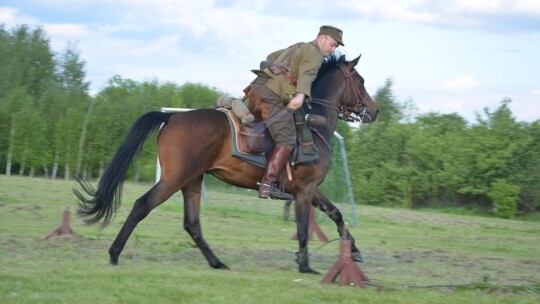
{"x": 328, "y": 45}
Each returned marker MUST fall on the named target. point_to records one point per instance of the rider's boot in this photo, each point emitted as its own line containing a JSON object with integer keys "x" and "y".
{"x": 268, "y": 185}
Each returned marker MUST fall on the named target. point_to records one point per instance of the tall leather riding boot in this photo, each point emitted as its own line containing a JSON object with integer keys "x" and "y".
{"x": 268, "y": 185}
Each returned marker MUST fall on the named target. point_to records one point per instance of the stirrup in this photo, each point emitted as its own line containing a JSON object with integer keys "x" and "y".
{"x": 273, "y": 192}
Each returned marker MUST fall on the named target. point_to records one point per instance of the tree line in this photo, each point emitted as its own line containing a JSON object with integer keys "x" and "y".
{"x": 49, "y": 123}
{"x": 51, "y": 126}
{"x": 444, "y": 161}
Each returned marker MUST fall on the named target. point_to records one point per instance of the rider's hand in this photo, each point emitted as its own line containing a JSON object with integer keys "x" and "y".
{"x": 296, "y": 102}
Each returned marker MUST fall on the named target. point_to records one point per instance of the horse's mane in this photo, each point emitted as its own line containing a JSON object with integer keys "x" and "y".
{"x": 330, "y": 62}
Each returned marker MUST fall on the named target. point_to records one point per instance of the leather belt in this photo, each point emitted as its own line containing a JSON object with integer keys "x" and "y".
{"x": 278, "y": 69}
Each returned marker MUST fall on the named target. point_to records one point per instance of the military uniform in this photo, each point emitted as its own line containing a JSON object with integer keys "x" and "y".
{"x": 284, "y": 74}
{"x": 303, "y": 63}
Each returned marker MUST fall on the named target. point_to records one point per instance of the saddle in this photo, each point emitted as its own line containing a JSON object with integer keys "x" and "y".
{"x": 252, "y": 141}
{"x": 248, "y": 141}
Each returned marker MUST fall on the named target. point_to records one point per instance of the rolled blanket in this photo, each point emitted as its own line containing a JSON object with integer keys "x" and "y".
{"x": 238, "y": 107}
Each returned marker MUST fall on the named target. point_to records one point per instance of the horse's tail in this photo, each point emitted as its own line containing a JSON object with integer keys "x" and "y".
{"x": 105, "y": 200}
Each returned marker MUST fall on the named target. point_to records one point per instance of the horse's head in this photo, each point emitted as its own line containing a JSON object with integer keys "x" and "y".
{"x": 339, "y": 85}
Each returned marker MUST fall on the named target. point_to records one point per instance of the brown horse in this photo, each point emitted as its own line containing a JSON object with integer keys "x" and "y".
{"x": 196, "y": 142}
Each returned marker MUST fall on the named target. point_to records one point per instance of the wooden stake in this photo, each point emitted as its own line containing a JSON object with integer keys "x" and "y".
{"x": 350, "y": 273}
{"x": 64, "y": 228}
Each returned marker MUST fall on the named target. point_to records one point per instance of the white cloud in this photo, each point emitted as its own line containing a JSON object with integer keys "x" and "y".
{"x": 477, "y": 14}
{"x": 530, "y": 7}
{"x": 463, "y": 83}
{"x": 11, "y": 17}
{"x": 67, "y": 31}
{"x": 392, "y": 10}
{"x": 7, "y": 15}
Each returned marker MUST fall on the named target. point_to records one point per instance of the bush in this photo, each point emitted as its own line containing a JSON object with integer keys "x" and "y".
{"x": 504, "y": 197}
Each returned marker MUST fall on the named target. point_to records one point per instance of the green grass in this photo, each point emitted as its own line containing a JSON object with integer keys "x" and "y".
{"x": 415, "y": 257}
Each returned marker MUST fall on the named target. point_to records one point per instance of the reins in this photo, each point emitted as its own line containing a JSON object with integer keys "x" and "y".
{"x": 321, "y": 137}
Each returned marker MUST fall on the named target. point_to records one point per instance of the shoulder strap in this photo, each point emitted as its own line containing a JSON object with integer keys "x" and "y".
{"x": 285, "y": 58}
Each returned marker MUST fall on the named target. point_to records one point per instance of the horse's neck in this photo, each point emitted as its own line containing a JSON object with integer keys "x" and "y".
{"x": 327, "y": 131}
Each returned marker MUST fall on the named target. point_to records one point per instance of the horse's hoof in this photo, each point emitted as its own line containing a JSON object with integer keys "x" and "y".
{"x": 308, "y": 270}
{"x": 114, "y": 260}
{"x": 220, "y": 266}
{"x": 357, "y": 257}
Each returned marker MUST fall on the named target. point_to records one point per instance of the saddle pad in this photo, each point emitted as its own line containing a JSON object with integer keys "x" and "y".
{"x": 238, "y": 142}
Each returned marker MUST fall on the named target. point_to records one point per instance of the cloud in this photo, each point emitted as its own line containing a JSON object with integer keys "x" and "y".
{"x": 487, "y": 15}
{"x": 10, "y": 17}
{"x": 463, "y": 83}
{"x": 67, "y": 31}
{"x": 523, "y": 7}
{"x": 7, "y": 15}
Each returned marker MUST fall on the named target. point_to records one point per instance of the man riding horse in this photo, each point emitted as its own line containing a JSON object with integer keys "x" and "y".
{"x": 283, "y": 84}
{"x": 195, "y": 143}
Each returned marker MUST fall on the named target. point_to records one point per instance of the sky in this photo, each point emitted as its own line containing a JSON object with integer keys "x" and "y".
{"x": 444, "y": 56}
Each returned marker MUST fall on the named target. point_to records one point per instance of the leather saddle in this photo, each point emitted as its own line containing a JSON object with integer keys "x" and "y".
{"x": 252, "y": 141}
{"x": 248, "y": 141}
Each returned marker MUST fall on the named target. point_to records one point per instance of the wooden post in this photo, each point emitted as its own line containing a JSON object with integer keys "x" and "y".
{"x": 350, "y": 273}
{"x": 313, "y": 227}
{"x": 64, "y": 227}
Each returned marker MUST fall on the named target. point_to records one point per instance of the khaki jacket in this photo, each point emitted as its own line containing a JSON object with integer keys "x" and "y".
{"x": 304, "y": 61}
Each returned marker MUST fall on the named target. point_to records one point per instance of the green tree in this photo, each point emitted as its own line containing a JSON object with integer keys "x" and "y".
{"x": 70, "y": 94}
{"x": 66, "y": 138}
{"x": 378, "y": 167}
{"x": 16, "y": 104}
{"x": 28, "y": 61}
{"x": 27, "y": 72}
{"x": 504, "y": 197}
{"x": 528, "y": 171}
{"x": 497, "y": 146}
{"x": 117, "y": 107}
{"x": 197, "y": 96}
{"x": 30, "y": 146}
{"x": 434, "y": 154}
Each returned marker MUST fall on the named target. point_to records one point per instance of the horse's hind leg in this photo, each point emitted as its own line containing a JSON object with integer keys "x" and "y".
{"x": 142, "y": 207}
{"x": 326, "y": 206}
{"x": 192, "y": 207}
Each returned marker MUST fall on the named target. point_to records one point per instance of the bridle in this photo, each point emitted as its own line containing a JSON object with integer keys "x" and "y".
{"x": 347, "y": 113}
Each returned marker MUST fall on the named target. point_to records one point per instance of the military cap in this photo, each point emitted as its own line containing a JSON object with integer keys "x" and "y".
{"x": 333, "y": 32}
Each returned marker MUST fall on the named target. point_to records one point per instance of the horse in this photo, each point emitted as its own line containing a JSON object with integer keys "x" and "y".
{"x": 196, "y": 142}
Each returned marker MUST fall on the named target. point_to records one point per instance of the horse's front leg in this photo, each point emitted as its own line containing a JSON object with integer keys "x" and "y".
{"x": 326, "y": 206}
{"x": 302, "y": 208}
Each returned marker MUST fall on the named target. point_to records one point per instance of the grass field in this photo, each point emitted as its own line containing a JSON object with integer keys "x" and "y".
{"x": 414, "y": 256}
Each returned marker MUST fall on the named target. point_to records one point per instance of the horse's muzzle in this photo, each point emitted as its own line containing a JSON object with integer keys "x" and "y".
{"x": 369, "y": 117}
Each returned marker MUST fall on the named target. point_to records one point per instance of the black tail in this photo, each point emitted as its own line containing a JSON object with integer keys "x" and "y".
{"x": 105, "y": 200}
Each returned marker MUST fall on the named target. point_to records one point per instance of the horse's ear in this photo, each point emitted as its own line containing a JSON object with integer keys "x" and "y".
{"x": 354, "y": 62}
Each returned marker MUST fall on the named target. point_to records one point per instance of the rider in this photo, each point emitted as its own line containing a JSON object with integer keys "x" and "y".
{"x": 284, "y": 83}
